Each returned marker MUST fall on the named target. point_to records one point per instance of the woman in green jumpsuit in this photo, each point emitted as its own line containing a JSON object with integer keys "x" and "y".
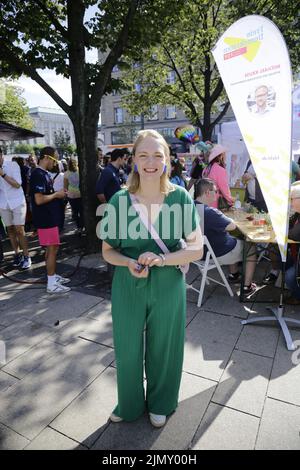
{"x": 153, "y": 298}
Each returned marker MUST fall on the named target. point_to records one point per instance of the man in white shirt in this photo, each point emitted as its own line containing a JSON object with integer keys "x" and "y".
{"x": 13, "y": 210}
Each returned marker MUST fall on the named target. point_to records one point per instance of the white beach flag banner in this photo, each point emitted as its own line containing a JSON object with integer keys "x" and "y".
{"x": 255, "y": 68}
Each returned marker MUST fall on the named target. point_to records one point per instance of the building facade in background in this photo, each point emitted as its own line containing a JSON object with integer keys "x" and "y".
{"x": 119, "y": 127}
{"x": 47, "y": 121}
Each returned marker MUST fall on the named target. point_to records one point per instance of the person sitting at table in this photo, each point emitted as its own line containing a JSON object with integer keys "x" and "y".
{"x": 292, "y": 265}
{"x": 228, "y": 249}
{"x": 254, "y": 193}
{"x": 216, "y": 171}
{"x": 291, "y": 262}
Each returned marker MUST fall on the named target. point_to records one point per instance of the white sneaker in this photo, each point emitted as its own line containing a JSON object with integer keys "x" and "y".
{"x": 157, "y": 420}
{"x": 62, "y": 280}
{"x": 58, "y": 288}
{"x": 25, "y": 263}
{"x": 115, "y": 419}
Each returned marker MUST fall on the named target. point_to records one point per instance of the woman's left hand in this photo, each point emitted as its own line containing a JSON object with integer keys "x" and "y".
{"x": 150, "y": 259}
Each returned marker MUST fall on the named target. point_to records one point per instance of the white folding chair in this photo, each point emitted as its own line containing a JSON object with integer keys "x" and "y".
{"x": 263, "y": 254}
{"x": 210, "y": 262}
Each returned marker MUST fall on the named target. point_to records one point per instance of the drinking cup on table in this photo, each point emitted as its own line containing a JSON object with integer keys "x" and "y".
{"x": 256, "y": 219}
{"x": 262, "y": 220}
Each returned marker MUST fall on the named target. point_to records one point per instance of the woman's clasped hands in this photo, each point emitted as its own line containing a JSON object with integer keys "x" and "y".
{"x": 140, "y": 268}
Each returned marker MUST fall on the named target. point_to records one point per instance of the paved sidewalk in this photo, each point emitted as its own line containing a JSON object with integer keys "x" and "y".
{"x": 240, "y": 389}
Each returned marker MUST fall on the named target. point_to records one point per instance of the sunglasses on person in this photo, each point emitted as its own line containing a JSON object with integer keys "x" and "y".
{"x": 52, "y": 158}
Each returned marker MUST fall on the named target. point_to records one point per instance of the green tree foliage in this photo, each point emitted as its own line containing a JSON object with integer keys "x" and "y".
{"x": 23, "y": 148}
{"x": 13, "y": 107}
{"x": 56, "y": 34}
{"x": 62, "y": 141}
{"x": 185, "y": 55}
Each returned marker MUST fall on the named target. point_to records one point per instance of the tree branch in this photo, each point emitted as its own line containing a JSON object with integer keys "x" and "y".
{"x": 222, "y": 114}
{"x": 217, "y": 91}
{"x": 189, "y": 104}
{"x": 114, "y": 54}
{"x": 194, "y": 85}
{"x": 12, "y": 58}
{"x": 159, "y": 62}
{"x": 215, "y": 13}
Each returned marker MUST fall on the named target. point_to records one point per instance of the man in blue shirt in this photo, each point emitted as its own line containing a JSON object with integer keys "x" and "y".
{"x": 215, "y": 225}
{"x": 46, "y": 216}
{"x": 109, "y": 180}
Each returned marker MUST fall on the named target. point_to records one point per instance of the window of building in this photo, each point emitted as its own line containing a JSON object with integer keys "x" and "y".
{"x": 119, "y": 137}
{"x": 136, "y": 118}
{"x": 119, "y": 115}
{"x": 167, "y": 131}
{"x": 153, "y": 113}
{"x": 170, "y": 112}
{"x": 137, "y": 87}
{"x": 134, "y": 133}
{"x": 171, "y": 78}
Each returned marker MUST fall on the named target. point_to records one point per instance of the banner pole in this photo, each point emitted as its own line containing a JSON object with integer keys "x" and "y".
{"x": 283, "y": 268}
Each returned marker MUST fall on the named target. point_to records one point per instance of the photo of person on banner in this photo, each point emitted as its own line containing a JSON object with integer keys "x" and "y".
{"x": 262, "y": 100}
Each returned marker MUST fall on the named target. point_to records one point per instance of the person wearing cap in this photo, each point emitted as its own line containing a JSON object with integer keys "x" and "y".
{"x": 46, "y": 216}
{"x": 13, "y": 210}
{"x": 109, "y": 181}
{"x": 216, "y": 171}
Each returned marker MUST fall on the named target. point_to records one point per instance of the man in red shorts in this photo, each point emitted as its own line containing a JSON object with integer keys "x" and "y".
{"x": 46, "y": 214}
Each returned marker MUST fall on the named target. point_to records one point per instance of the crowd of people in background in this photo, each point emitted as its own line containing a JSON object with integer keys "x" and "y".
{"x": 207, "y": 180}
{"x": 34, "y": 193}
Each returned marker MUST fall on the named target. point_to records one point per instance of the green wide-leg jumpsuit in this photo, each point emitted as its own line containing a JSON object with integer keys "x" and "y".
{"x": 156, "y": 304}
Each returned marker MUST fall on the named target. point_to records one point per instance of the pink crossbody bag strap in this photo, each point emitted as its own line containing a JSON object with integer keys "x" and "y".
{"x": 183, "y": 268}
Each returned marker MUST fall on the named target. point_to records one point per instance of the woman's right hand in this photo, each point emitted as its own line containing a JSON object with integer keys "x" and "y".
{"x": 133, "y": 269}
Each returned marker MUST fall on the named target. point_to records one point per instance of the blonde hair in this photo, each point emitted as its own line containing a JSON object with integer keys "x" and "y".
{"x": 295, "y": 189}
{"x": 133, "y": 183}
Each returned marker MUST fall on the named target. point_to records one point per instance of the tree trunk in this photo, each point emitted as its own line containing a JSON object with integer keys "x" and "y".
{"x": 86, "y": 140}
{"x": 207, "y": 129}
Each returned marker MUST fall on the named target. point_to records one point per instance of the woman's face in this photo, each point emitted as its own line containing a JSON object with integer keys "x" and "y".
{"x": 150, "y": 159}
